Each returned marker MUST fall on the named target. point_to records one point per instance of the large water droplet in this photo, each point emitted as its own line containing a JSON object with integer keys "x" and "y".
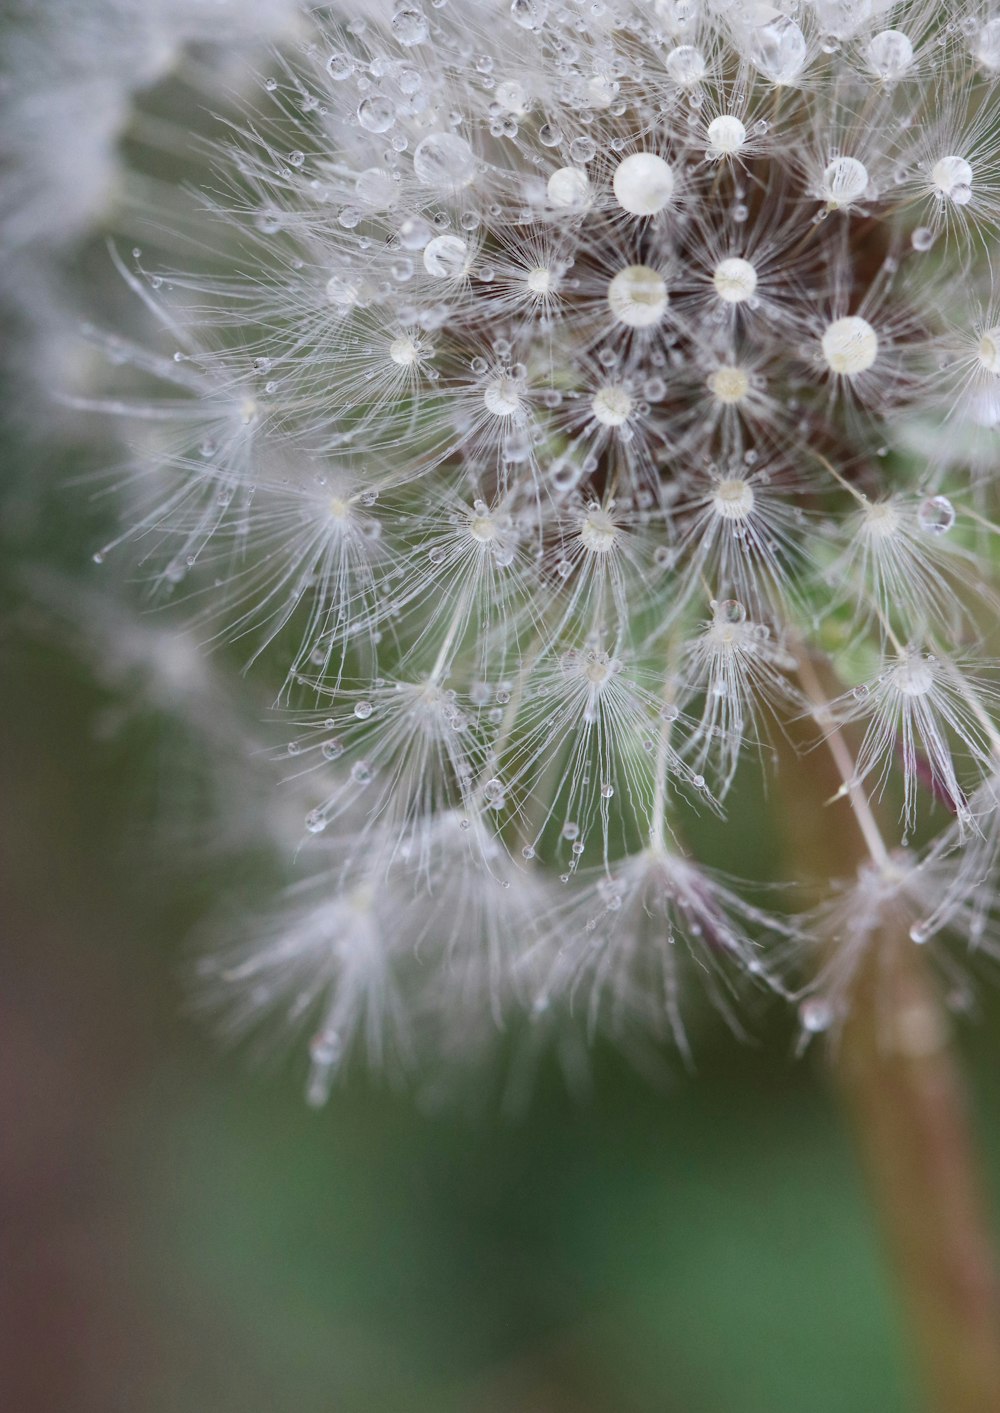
{"x": 409, "y": 26}
{"x": 890, "y": 53}
{"x": 445, "y": 257}
{"x": 936, "y": 515}
{"x": 444, "y": 160}
{"x": 778, "y": 49}
{"x": 376, "y": 113}
{"x": 529, "y": 14}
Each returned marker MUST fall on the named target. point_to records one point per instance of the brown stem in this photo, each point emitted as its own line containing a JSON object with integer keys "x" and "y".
{"x": 904, "y": 1097}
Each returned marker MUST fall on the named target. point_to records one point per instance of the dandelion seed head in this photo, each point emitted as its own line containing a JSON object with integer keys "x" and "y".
{"x": 569, "y": 187}
{"x": 989, "y": 350}
{"x": 844, "y": 180}
{"x": 730, "y": 383}
{"x": 952, "y": 177}
{"x": 643, "y": 183}
{"x": 735, "y": 280}
{"x": 733, "y": 499}
{"x": 637, "y": 296}
{"x": 556, "y": 397}
{"x": 611, "y": 405}
{"x": 726, "y": 135}
{"x": 598, "y": 531}
{"x": 850, "y": 346}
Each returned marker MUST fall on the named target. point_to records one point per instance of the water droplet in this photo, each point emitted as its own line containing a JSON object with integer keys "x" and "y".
{"x": 890, "y": 53}
{"x": 726, "y": 135}
{"x": 816, "y": 1015}
{"x": 936, "y": 515}
{"x": 409, "y": 27}
{"x": 845, "y": 179}
{"x": 730, "y": 611}
{"x": 445, "y": 257}
{"x": 568, "y": 188}
{"x": 686, "y": 65}
{"x": 643, "y": 184}
{"x": 339, "y": 67}
{"x": 376, "y": 113}
{"x": 778, "y": 49}
{"x": 529, "y": 14}
{"x": 951, "y": 177}
{"x": 363, "y": 710}
{"x": 444, "y": 160}
{"x": 583, "y": 149}
{"x": 987, "y": 45}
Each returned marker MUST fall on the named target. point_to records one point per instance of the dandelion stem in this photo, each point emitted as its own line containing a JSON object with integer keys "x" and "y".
{"x": 903, "y": 1092}
{"x": 903, "y": 1095}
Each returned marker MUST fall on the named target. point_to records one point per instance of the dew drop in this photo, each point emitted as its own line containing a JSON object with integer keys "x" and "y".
{"x": 686, "y": 65}
{"x": 778, "y": 49}
{"x": 850, "y": 346}
{"x": 643, "y": 184}
{"x": 890, "y": 53}
{"x": 568, "y": 188}
{"x": 444, "y": 160}
{"x": 936, "y": 515}
{"x": 638, "y": 297}
{"x": 952, "y": 177}
{"x": 726, "y": 135}
{"x": 376, "y": 113}
{"x": 339, "y": 67}
{"x": 735, "y": 280}
{"x": 409, "y": 27}
{"x": 529, "y": 14}
{"x": 845, "y": 179}
{"x": 730, "y": 611}
{"x": 445, "y": 257}
{"x": 816, "y": 1015}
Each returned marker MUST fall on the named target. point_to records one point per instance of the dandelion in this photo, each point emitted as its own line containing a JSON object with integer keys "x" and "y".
{"x": 563, "y": 410}
{"x": 491, "y": 401}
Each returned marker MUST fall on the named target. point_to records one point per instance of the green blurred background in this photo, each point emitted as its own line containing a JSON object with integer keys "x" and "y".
{"x": 182, "y": 1235}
